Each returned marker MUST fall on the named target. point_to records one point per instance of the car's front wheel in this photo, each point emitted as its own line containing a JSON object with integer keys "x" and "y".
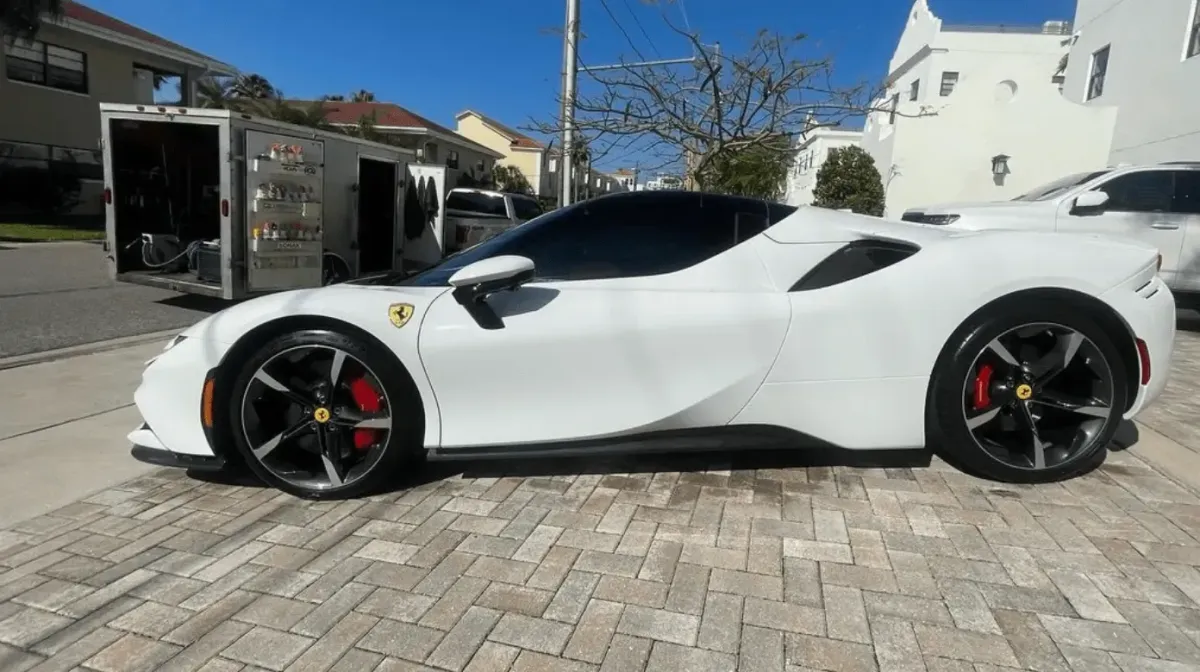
{"x": 1029, "y": 392}
{"x": 320, "y": 414}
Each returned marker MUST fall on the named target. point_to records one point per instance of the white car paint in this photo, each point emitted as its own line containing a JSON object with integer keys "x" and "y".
{"x": 720, "y": 343}
{"x": 1175, "y": 235}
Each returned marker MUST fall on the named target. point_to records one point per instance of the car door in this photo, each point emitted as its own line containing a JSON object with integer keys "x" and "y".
{"x": 1187, "y": 206}
{"x": 1140, "y": 207}
{"x": 615, "y": 335}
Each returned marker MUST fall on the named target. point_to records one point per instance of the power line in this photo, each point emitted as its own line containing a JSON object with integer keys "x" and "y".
{"x": 643, "y": 29}
{"x": 604, "y": 4}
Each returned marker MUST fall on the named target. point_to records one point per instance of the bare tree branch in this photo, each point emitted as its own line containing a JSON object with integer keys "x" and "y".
{"x": 692, "y": 115}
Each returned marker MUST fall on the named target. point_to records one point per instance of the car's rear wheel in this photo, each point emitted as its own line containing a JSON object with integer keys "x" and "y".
{"x": 320, "y": 415}
{"x": 1030, "y": 392}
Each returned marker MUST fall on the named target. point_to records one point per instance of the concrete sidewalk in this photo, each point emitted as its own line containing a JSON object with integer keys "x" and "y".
{"x": 63, "y": 427}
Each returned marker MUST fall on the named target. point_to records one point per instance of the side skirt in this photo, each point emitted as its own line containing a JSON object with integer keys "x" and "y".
{"x": 727, "y": 439}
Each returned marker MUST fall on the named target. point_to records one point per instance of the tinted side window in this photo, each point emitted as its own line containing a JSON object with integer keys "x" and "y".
{"x": 779, "y": 212}
{"x": 628, "y": 237}
{"x": 730, "y": 218}
{"x": 1187, "y": 192}
{"x": 1147, "y": 191}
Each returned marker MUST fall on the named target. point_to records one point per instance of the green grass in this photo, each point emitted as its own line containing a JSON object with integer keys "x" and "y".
{"x": 38, "y": 232}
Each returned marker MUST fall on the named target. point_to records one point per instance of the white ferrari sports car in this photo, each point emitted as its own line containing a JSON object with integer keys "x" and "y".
{"x": 678, "y": 321}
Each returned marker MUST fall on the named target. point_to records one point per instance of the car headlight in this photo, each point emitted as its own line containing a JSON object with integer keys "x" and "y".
{"x": 940, "y": 219}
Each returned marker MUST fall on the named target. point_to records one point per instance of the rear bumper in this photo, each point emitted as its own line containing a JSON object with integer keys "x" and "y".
{"x": 1150, "y": 313}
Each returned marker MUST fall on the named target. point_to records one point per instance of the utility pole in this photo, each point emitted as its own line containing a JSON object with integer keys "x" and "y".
{"x": 570, "y": 73}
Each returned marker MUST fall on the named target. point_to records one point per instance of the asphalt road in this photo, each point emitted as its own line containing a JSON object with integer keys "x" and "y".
{"x": 55, "y": 295}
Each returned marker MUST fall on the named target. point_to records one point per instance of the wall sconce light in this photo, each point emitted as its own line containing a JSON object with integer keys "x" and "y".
{"x": 1000, "y": 165}
{"x": 420, "y": 154}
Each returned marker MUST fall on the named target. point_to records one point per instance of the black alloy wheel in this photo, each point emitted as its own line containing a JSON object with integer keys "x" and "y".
{"x": 1038, "y": 396}
{"x": 315, "y": 414}
{"x": 1030, "y": 389}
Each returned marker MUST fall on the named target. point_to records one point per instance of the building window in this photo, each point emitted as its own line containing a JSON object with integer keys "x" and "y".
{"x": 914, "y": 90}
{"x": 949, "y": 81}
{"x": 452, "y": 159}
{"x": 46, "y": 65}
{"x": 892, "y": 108}
{"x": 1193, "y": 45}
{"x": 1099, "y": 70}
{"x": 84, "y": 164}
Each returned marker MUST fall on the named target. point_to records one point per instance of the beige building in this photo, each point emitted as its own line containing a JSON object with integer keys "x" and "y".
{"x": 517, "y": 149}
{"x": 52, "y": 88}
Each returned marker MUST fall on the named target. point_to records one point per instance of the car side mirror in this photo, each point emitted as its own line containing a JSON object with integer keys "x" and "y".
{"x": 474, "y": 282}
{"x": 1090, "y": 201}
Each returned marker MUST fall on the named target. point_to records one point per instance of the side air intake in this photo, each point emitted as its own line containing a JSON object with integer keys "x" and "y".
{"x": 854, "y": 260}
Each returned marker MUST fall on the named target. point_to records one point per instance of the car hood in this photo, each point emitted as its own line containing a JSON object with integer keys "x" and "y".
{"x": 980, "y": 207}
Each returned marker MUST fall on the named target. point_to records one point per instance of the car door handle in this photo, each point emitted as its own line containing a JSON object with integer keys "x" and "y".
{"x": 1164, "y": 225}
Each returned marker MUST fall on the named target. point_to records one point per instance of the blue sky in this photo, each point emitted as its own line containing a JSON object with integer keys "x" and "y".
{"x": 502, "y": 57}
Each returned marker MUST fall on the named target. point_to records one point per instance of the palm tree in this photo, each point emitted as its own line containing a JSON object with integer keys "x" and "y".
{"x": 214, "y": 92}
{"x": 252, "y": 86}
{"x": 362, "y": 96}
{"x": 22, "y": 18}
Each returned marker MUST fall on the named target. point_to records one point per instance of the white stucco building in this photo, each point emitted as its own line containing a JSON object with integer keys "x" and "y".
{"x": 992, "y": 100}
{"x": 1142, "y": 57}
{"x": 811, "y": 152}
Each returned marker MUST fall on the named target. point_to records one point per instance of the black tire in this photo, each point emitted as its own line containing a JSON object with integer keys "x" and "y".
{"x": 947, "y": 402}
{"x": 404, "y": 442}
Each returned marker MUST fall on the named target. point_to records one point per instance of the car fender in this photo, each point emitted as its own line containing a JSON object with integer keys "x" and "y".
{"x": 377, "y": 310}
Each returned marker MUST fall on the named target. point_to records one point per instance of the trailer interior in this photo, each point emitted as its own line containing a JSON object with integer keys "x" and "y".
{"x": 167, "y": 204}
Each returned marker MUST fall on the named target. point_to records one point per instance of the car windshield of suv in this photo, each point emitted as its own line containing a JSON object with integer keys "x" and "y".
{"x": 1048, "y": 191}
{"x": 526, "y": 208}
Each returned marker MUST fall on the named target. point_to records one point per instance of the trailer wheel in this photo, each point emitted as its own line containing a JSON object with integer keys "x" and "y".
{"x": 334, "y": 269}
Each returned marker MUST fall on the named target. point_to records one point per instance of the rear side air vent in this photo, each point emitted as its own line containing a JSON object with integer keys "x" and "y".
{"x": 854, "y": 260}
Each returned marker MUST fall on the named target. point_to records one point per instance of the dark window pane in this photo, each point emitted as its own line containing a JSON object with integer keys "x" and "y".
{"x": 1148, "y": 191}
{"x": 1187, "y": 192}
{"x": 22, "y": 70}
{"x": 473, "y": 202}
{"x": 526, "y": 208}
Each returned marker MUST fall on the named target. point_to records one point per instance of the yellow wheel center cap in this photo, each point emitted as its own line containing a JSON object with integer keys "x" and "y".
{"x": 321, "y": 415}
{"x": 1024, "y": 392}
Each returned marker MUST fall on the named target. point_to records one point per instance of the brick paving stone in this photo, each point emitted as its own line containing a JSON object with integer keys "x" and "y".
{"x": 684, "y": 563}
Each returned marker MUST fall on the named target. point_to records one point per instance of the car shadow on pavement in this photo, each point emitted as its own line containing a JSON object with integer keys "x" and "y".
{"x": 196, "y": 302}
{"x": 1188, "y": 320}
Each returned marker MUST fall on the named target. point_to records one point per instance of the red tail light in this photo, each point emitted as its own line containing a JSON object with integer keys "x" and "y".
{"x": 107, "y": 196}
{"x": 224, "y": 207}
{"x": 1144, "y": 356}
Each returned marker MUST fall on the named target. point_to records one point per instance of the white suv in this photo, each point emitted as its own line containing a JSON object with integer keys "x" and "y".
{"x": 1157, "y": 204}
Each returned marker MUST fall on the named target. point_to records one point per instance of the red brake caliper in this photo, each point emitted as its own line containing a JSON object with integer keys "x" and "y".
{"x": 983, "y": 385}
{"x": 366, "y": 398}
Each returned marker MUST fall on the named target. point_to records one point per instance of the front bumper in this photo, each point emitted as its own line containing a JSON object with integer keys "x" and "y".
{"x": 165, "y": 458}
{"x": 169, "y": 400}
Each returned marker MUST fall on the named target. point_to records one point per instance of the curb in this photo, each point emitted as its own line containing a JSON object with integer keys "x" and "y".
{"x": 85, "y": 349}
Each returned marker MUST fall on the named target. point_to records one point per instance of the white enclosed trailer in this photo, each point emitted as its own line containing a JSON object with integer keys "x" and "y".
{"x": 228, "y": 205}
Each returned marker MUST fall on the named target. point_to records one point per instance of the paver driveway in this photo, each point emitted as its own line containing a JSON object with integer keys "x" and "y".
{"x": 818, "y": 568}
{"x": 680, "y": 566}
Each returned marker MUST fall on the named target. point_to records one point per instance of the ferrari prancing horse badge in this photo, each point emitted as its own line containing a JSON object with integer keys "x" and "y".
{"x": 399, "y": 313}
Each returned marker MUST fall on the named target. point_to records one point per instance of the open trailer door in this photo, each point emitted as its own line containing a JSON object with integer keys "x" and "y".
{"x": 285, "y": 188}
